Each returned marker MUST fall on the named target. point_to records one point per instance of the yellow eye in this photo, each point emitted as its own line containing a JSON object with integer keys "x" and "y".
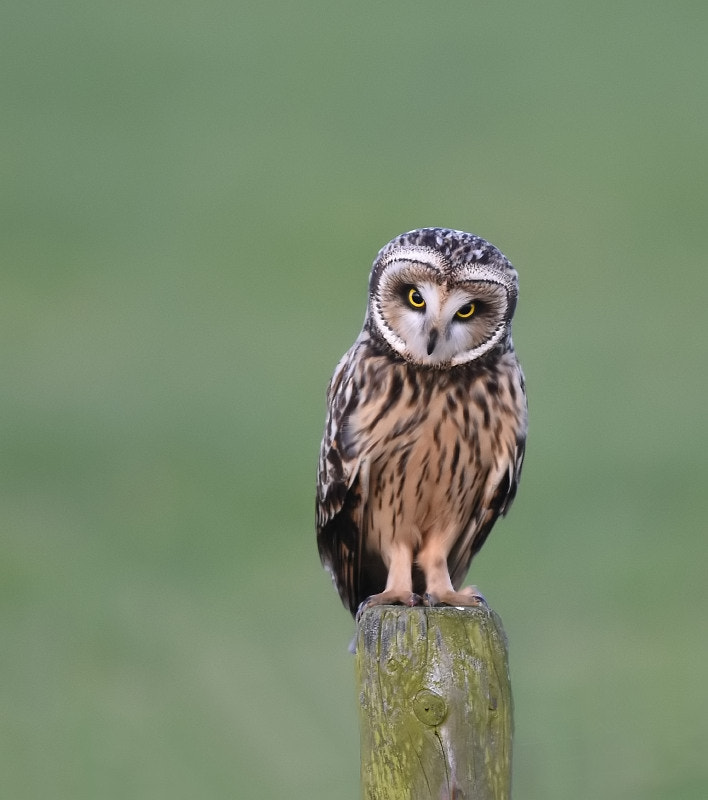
{"x": 415, "y": 298}
{"x": 466, "y": 311}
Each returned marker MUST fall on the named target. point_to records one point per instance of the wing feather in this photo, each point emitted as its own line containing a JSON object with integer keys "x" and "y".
{"x": 486, "y": 514}
{"x": 342, "y": 485}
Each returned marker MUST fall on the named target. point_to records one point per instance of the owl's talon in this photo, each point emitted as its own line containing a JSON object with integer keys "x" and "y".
{"x": 362, "y": 608}
{"x": 415, "y": 600}
{"x": 474, "y": 594}
{"x": 390, "y": 598}
{"x": 468, "y": 597}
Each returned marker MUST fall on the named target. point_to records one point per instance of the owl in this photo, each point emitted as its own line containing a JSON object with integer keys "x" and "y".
{"x": 426, "y": 424}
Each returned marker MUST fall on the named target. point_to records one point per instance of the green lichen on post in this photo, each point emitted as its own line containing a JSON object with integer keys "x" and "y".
{"x": 435, "y": 704}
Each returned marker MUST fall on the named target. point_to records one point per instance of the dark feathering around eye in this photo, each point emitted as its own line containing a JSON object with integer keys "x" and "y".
{"x": 415, "y": 298}
{"x": 466, "y": 311}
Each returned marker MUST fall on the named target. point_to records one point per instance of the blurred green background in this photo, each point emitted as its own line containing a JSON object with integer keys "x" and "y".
{"x": 192, "y": 195}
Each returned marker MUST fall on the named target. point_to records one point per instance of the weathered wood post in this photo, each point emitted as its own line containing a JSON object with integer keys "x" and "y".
{"x": 435, "y": 704}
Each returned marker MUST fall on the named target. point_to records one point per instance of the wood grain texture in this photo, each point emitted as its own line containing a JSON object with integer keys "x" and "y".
{"x": 435, "y": 704}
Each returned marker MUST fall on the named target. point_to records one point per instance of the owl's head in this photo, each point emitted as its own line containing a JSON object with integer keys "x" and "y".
{"x": 441, "y": 298}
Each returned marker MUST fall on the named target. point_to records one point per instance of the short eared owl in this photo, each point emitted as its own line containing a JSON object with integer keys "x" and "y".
{"x": 426, "y": 424}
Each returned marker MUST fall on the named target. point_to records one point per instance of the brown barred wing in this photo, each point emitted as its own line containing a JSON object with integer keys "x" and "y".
{"x": 475, "y": 534}
{"x": 339, "y": 504}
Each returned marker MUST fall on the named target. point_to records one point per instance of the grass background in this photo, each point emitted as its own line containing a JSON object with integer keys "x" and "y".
{"x": 192, "y": 195}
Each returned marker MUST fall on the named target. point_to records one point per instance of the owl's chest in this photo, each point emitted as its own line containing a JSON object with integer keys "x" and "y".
{"x": 426, "y": 458}
{"x": 424, "y": 418}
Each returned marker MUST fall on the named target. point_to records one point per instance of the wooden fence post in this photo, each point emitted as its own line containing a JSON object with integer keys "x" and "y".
{"x": 435, "y": 704}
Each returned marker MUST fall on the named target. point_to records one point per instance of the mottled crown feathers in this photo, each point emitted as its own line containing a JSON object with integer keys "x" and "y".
{"x": 455, "y": 247}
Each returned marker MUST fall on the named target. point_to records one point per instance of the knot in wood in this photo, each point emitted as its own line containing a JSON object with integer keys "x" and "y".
{"x": 429, "y": 708}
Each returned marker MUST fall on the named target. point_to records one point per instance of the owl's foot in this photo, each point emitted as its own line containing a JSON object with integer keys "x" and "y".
{"x": 390, "y": 598}
{"x": 469, "y": 596}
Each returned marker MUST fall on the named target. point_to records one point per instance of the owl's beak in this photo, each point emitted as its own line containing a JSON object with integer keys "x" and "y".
{"x": 432, "y": 340}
